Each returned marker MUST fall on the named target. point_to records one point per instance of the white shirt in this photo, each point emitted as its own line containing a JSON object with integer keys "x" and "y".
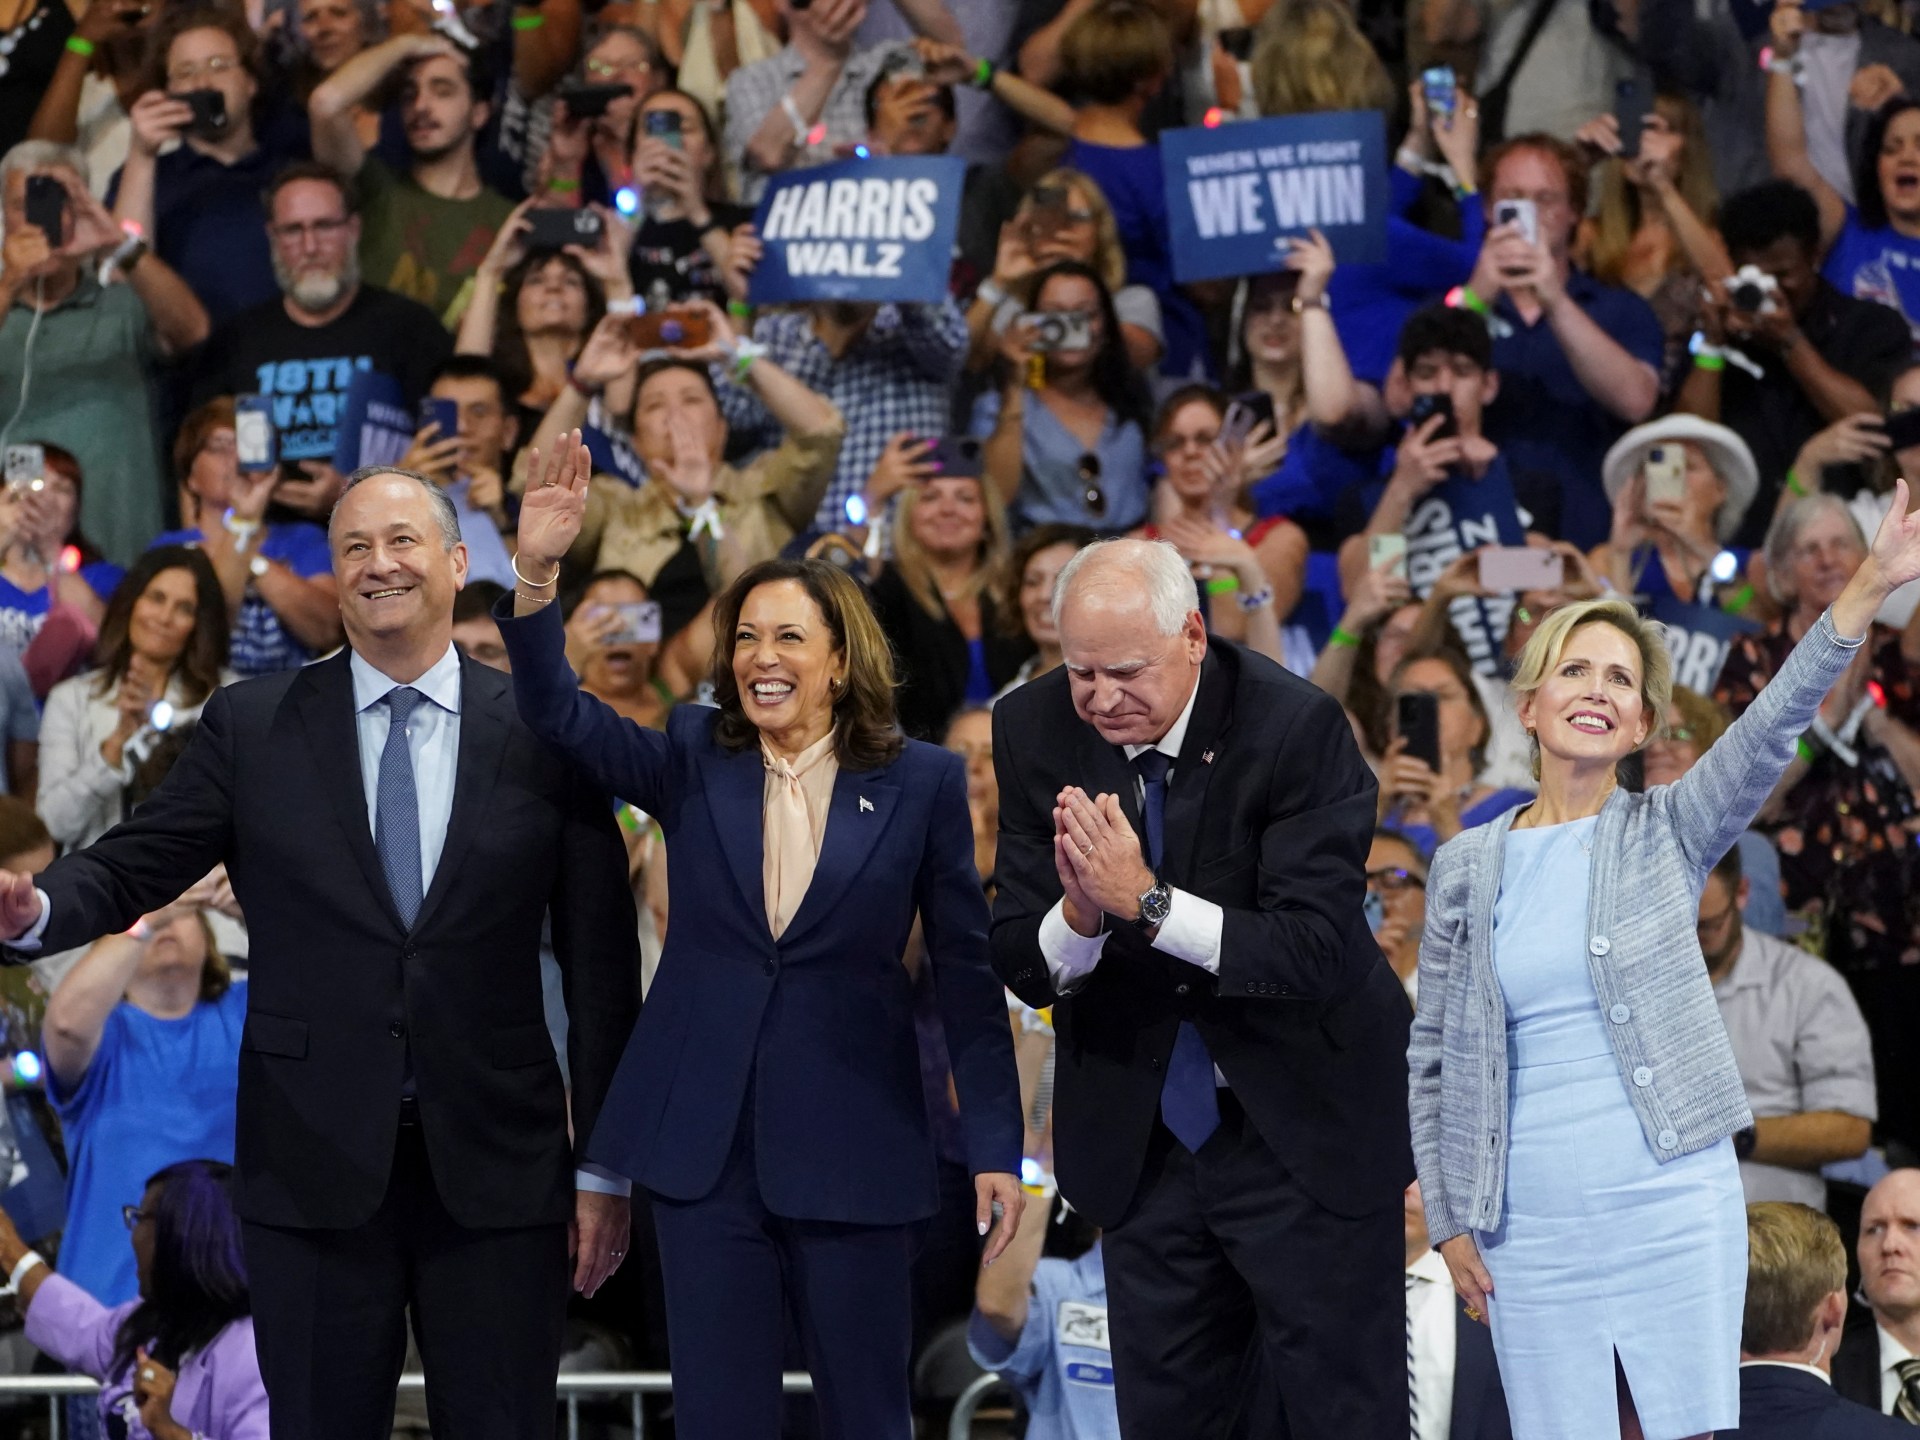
{"x": 433, "y": 745}
{"x": 1430, "y": 1310}
{"x": 1892, "y": 1352}
{"x": 1192, "y": 929}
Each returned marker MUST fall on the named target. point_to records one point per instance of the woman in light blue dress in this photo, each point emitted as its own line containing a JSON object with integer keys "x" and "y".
{"x": 1573, "y": 1093}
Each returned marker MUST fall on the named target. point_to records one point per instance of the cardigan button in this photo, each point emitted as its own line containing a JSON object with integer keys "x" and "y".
{"x": 1619, "y": 1014}
{"x": 1643, "y": 1077}
{"x": 1667, "y": 1140}
{"x": 1599, "y": 945}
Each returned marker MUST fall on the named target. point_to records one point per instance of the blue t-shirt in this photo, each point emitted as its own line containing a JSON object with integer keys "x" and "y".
{"x": 1881, "y": 265}
{"x": 157, "y": 1092}
{"x": 23, "y": 613}
{"x": 1492, "y": 808}
{"x": 1062, "y": 1364}
{"x": 260, "y": 644}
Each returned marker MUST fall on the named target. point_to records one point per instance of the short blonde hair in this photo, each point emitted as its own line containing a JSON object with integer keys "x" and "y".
{"x": 1109, "y": 255}
{"x": 1311, "y": 56}
{"x": 1795, "y": 1260}
{"x": 1546, "y": 645}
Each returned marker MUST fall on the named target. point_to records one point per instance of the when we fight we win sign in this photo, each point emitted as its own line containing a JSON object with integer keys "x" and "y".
{"x": 874, "y": 229}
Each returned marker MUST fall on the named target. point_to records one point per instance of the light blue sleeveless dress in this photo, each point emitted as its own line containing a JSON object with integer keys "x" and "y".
{"x": 1602, "y": 1249}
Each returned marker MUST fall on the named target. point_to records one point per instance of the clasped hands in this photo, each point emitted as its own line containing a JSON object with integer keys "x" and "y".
{"x": 1098, "y": 859}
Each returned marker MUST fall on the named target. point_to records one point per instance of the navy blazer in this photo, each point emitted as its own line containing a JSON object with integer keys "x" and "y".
{"x": 1777, "y": 1403}
{"x": 1479, "y": 1400}
{"x": 820, "y": 1021}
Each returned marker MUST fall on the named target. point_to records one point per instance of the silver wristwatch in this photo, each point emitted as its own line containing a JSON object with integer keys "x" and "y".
{"x": 1154, "y": 905}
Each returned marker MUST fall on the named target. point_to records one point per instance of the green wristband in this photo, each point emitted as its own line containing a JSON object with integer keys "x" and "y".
{"x": 1474, "y": 303}
{"x": 1704, "y": 361}
{"x": 1737, "y": 602}
{"x": 739, "y": 309}
{"x": 1804, "y": 750}
{"x": 1793, "y": 484}
{"x": 1342, "y": 638}
{"x": 80, "y": 45}
{"x": 563, "y": 186}
{"x": 528, "y": 22}
{"x": 1223, "y": 584}
{"x": 983, "y": 74}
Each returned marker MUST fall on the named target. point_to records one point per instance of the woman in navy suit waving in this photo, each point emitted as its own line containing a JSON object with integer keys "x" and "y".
{"x": 769, "y": 1101}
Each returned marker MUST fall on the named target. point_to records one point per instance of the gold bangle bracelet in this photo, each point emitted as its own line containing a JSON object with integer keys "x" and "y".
{"x": 536, "y": 584}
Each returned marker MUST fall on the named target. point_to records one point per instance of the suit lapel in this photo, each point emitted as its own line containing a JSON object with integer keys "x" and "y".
{"x": 863, "y": 804}
{"x": 485, "y": 717}
{"x": 322, "y": 697}
{"x": 735, "y": 783}
{"x": 1193, "y": 770}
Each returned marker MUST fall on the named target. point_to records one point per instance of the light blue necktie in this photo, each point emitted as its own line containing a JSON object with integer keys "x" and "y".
{"x": 1189, "y": 1103}
{"x": 396, "y": 821}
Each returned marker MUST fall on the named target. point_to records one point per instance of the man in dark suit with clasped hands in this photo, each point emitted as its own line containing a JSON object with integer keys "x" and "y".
{"x": 1183, "y": 837}
{"x": 395, "y": 837}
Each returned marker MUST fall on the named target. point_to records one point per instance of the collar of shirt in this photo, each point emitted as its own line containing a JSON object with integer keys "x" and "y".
{"x": 1787, "y": 1365}
{"x": 1892, "y": 1352}
{"x": 1432, "y": 1266}
{"x": 1749, "y": 969}
{"x": 440, "y": 684}
{"x": 1169, "y": 744}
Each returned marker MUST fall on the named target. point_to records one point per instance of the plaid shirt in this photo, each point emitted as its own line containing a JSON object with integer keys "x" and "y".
{"x": 754, "y": 91}
{"x": 896, "y": 377}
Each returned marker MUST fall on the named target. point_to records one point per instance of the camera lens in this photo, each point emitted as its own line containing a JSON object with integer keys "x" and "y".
{"x": 1747, "y": 296}
{"x": 672, "y": 332}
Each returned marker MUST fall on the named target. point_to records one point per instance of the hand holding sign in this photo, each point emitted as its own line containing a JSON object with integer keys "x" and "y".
{"x": 1311, "y": 257}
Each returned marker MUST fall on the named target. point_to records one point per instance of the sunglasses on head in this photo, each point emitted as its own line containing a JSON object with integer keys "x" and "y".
{"x": 1087, "y": 471}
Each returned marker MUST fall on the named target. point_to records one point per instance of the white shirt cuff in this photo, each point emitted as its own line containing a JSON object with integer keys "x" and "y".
{"x": 1070, "y": 956}
{"x": 1192, "y": 930}
{"x": 31, "y": 940}
{"x": 598, "y": 1180}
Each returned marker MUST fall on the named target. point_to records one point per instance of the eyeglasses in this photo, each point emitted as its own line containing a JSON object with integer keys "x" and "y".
{"x": 324, "y": 232}
{"x": 223, "y": 444}
{"x": 1174, "y": 444}
{"x": 1393, "y": 881}
{"x": 179, "y": 75}
{"x": 1675, "y": 734}
{"x": 133, "y": 1215}
{"x": 1087, "y": 470}
{"x": 608, "y": 69}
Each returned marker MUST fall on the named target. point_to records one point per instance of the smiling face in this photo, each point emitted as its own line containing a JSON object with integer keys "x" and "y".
{"x": 1898, "y": 167}
{"x": 1074, "y": 292}
{"x": 396, "y": 576}
{"x": 1824, "y": 556}
{"x": 1190, "y": 431}
{"x": 161, "y": 622}
{"x": 1889, "y": 1248}
{"x": 334, "y": 31}
{"x": 553, "y": 300}
{"x": 970, "y": 736}
{"x": 439, "y": 107}
{"x": 1589, "y": 708}
{"x": 1128, "y": 681}
{"x": 786, "y": 663}
{"x": 1673, "y": 750}
{"x": 623, "y": 668}
{"x": 621, "y": 60}
{"x": 1270, "y": 328}
{"x": 1036, "y": 592}
{"x": 949, "y": 517}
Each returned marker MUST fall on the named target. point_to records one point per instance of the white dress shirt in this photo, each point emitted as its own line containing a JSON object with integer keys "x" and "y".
{"x": 1192, "y": 929}
{"x": 433, "y": 745}
{"x": 1430, "y": 1306}
{"x": 1813, "y": 1370}
{"x": 1892, "y": 1352}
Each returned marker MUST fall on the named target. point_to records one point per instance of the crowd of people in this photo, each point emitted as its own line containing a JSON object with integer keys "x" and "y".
{"x": 1642, "y": 359}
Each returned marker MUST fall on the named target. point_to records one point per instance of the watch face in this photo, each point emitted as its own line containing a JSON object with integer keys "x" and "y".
{"x": 1154, "y": 905}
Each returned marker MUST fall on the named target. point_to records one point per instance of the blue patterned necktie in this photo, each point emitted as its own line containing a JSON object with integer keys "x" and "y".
{"x": 396, "y": 821}
{"x": 1189, "y": 1104}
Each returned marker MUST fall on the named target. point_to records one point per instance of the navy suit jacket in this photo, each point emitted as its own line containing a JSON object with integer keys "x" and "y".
{"x": 820, "y": 1021}
{"x": 1781, "y": 1404}
{"x": 1479, "y": 1400}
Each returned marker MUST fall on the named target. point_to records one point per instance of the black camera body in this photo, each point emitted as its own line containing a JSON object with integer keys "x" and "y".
{"x": 209, "y": 113}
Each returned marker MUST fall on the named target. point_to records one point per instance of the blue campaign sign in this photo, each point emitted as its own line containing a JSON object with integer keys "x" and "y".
{"x": 878, "y": 229}
{"x": 1237, "y": 192}
{"x": 375, "y": 427}
{"x": 1700, "y": 638}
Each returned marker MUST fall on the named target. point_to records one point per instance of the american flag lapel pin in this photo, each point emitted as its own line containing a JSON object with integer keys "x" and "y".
{"x": 1206, "y": 757}
{"x": 865, "y": 804}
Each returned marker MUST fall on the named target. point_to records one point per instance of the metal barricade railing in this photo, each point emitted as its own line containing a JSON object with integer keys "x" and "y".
{"x": 567, "y": 1388}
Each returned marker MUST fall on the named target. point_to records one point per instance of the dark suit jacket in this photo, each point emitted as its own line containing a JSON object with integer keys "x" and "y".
{"x": 933, "y": 658}
{"x": 340, "y": 991}
{"x": 1479, "y": 1400}
{"x": 1270, "y": 812}
{"x": 820, "y": 1022}
{"x": 1781, "y": 1404}
{"x": 1856, "y": 1364}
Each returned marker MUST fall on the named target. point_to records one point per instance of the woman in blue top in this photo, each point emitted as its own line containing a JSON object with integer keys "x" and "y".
{"x": 1574, "y": 1099}
{"x": 142, "y": 1040}
{"x": 45, "y": 558}
{"x": 1066, "y": 435}
{"x": 1873, "y": 246}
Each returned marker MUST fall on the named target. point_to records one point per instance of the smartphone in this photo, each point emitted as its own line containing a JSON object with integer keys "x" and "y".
{"x": 254, "y": 441}
{"x": 1524, "y": 215}
{"x": 1438, "y": 84}
{"x": 1903, "y": 429}
{"x": 639, "y": 624}
{"x": 1515, "y": 569}
{"x": 1665, "y": 474}
{"x": 550, "y": 228}
{"x": 590, "y": 102}
{"x": 670, "y": 329}
{"x": 1382, "y": 548}
{"x": 956, "y": 455}
{"x": 1425, "y": 407}
{"x": 1260, "y": 403}
{"x": 1630, "y": 114}
{"x": 209, "y": 113}
{"x": 47, "y": 207}
{"x": 1049, "y": 208}
{"x": 1236, "y": 425}
{"x": 444, "y": 413}
{"x": 1237, "y": 41}
{"x": 663, "y": 125}
{"x": 26, "y": 467}
{"x": 1419, "y": 726}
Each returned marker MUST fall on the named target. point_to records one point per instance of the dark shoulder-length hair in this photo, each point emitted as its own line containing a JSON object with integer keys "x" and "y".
{"x": 1114, "y": 379}
{"x": 866, "y": 734}
{"x": 509, "y": 343}
{"x": 197, "y": 1285}
{"x": 200, "y": 664}
{"x": 1042, "y": 537}
{"x": 1866, "y": 170}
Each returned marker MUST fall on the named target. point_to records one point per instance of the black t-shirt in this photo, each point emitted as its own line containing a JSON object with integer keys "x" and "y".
{"x": 1859, "y": 338}
{"x": 304, "y": 370}
{"x": 669, "y": 251}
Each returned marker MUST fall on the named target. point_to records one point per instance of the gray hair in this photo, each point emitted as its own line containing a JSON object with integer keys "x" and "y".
{"x": 1783, "y": 536}
{"x": 445, "y": 517}
{"x": 1150, "y": 568}
{"x": 32, "y": 155}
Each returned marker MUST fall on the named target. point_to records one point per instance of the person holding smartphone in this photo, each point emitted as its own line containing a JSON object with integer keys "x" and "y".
{"x": 1433, "y": 784}
{"x": 613, "y": 640}
{"x": 1680, "y": 489}
{"x": 683, "y": 245}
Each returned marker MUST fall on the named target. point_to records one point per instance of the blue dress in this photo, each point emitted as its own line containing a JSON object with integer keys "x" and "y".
{"x": 1602, "y": 1250}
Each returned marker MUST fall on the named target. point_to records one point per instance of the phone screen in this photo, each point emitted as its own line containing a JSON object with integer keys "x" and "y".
{"x": 253, "y": 436}
{"x": 1419, "y": 717}
{"x": 47, "y": 206}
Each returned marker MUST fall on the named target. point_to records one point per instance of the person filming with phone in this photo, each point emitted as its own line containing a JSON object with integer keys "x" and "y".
{"x": 1432, "y": 786}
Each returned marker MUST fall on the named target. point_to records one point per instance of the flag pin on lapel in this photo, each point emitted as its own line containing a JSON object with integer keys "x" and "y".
{"x": 865, "y": 804}
{"x": 1206, "y": 757}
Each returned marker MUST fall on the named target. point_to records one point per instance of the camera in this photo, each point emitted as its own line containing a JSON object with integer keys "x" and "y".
{"x": 209, "y": 113}
{"x": 1053, "y": 330}
{"x": 1753, "y": 291}
{"x": 550, "y": 228}
{"x": 590, "y": 102}
{"x": 902, "y": 64}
